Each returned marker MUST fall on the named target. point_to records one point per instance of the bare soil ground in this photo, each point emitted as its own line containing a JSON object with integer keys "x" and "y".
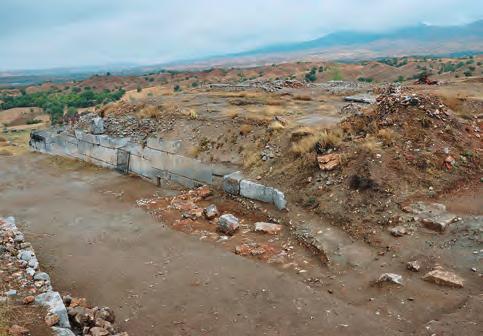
{"x": 159, "y": 281}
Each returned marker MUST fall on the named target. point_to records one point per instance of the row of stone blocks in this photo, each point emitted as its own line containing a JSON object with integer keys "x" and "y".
{"x": 235, "y": 184}
{"x": 157, "y": 159}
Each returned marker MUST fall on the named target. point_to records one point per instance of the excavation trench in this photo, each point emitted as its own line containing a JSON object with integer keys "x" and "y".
{"x": 161, "y": 278}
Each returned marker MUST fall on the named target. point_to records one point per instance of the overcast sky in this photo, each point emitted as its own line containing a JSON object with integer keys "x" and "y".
{"x": 57, "y": 33}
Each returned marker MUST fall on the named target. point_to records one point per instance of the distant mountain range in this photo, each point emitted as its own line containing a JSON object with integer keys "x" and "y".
{"x": 419, "y": 34}
{"x": 344, "y": 45}
{"x": 349, "y": 45}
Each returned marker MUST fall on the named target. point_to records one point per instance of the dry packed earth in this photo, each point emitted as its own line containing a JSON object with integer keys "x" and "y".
{"x": 383, "y": 231}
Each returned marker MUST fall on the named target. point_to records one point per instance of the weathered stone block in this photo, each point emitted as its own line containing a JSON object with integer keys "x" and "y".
{"x": 97, "y": 125}
{"x": 170, "y": 146}
{"x": 256, "y": 191}
{"x": 231, "y": 183}
{"x": 279, "y": 199}
{"x": 53, "y": 302}
{"x": 228, "y": 224}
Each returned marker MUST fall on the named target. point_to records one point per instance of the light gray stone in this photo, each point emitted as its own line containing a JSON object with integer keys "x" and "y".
{"x": 41, "y": 276}
{"x": 256, "y": 191}
{"x": 97, "y": 125}
{"x": 279, "y": 199}
{"x": 11, "y": 293}
{"x": 34, "y": 263}
{"x": 390, "y": 277}
{"x": 53, "y": 302}
{"x": 26, "y": 255}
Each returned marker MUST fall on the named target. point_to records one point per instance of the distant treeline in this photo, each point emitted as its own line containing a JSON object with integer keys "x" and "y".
{"x": 55, "y": 102}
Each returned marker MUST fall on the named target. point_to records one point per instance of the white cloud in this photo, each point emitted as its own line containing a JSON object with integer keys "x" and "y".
{"x": 54, "y": 33}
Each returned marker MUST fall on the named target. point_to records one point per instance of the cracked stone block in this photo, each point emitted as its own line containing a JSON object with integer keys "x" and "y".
{"x": 231, "y": 183}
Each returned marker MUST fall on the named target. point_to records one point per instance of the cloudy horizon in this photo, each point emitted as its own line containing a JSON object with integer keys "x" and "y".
{"x": 55, "y": 33}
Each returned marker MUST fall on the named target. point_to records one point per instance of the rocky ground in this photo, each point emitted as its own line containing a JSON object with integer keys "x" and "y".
{"x": 383, "y": 232}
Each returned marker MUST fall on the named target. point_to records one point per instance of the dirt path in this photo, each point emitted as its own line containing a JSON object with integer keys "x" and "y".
{"x": 97, "y": 244}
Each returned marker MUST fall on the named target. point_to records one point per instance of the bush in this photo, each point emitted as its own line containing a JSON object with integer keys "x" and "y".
{"x": 177, "y": 88}
{"x": 365, "y": 79}
{"x": 54, "y": 102}
{"x": 33, "y": 121}
{"x": 311, "y": 76}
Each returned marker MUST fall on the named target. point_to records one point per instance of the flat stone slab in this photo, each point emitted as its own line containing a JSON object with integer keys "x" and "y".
{"x": 269, "y": 228}
{"x": 365, "y": 99}
{"x": 444, "y": 278}
{"x": 433, "y": 215}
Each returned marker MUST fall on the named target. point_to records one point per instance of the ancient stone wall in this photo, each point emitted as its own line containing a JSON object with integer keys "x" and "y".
{"x": 157, "y": 160}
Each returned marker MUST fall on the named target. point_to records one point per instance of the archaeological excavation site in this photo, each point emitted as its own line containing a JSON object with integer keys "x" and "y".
{"x": 298, "y": 198}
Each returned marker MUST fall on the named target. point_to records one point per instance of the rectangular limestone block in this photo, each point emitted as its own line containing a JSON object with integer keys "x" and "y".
{"x": 256, "y": 191}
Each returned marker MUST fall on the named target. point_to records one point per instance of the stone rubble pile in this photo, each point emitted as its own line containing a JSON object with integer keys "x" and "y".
{"x": 275, "y": 85}
{"x": 395, "y": 100}
{"x": 29, "y": 285}
{"x": 339, "y": 87}
{"x": 130, "y": 126}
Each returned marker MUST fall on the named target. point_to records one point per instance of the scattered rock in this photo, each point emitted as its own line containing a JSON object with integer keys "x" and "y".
{"x": 28, "y": 299}
{"x": 98, "y": 331}
{"x": 391, "y": 278}
{"x": 211, "y": 211}
{"x": 433, "y": 215}
{"x": 52, "y": 319}
{"x": 328, "y": 162}
{"x": 269, "y": 228}
{"x": 398, "y": 231}
{"x": 11, "y": 293}
{"x": 414, "y": 266}
{"x": 444, "y": 278}
{"x": 41, "y": 276}
{"x": 228, "y": 224}
{"x": 17, "y": 330}
{"x": 249, "y": 249}
{"x": 105, "y": 313}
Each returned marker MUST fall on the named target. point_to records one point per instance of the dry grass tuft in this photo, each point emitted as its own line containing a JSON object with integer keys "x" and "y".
{"x": 4, "y": 152}
{"x": 304, "y": 145}
{"x": 371, "y": 145}
{"x": 331, "y": 138}
{"x": 3, "y": 139}
{"x": 387, "y": 135}
{"x": 150, "y": 111}
{"x": 302, "y": 98}
{"x": 276, "y": 126}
